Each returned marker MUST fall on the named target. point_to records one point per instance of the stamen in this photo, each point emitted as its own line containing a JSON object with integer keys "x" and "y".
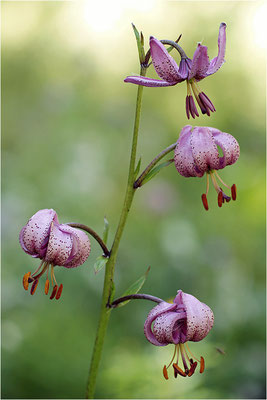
{"x": 52, "y": 273}
{"x": 35, "y": 272}
{"x": 53, "y": 292}
{"x": 207, "y": 185}
{"x": 192, "y": 369}
{"x": 47, "y": 283}
{"x": 205, "y": 201}
{"x": 165, "y": 373}
{"x": 220, "y": 179}
{"x": 215, "y": 184}
{"x": 25, "y": 281}
{"x": 190, "y": 352}
{"x": 187, "y": 107}
{"x": 34, "y": 286}
{"x": 233, "y": 191}
{"x": 175, "y": 348}
{"x": 59, "y": 291}
{"x": 202, "y": 365}
{"x": 179, "y": 370}
{"x": 220, "y": 199}
{"x": 46, "y": 265}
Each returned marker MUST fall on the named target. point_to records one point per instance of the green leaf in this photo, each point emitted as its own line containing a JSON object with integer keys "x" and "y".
{"x": 135, "y": 287}
{"x": 137, "y": 169}
{"x": 100, "y": 263}
{"x": 106, "y": 229}
{"x": 140, "y": 46}
{"x": 155, "y": 171}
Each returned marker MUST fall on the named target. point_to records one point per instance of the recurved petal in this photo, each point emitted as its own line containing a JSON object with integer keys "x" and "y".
{"x": 183, "y": 156}
{"x": 170, "y": 327}
{"x": 218, "y": 61}
{"x": 148, "y": 82}
{"x": 204, "y": 149}
{"x": 80, "y": 246}
{"x": 200, "y": 63}
{"x": 60, "y": 246}
{"x": 229, "y": 146}
{"x": 164, "y": 64}
{"x": 154, "y": 313}
{"x": 34, "y": 235}
{"x": 200, "y": 318}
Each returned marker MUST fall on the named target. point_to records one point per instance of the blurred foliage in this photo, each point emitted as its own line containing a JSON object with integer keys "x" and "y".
{"x": 67, "y": 121}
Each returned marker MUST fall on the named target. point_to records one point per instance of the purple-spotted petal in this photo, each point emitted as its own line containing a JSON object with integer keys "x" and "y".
{"x": 200, "y": 63}
{"x": 229, "y": 146}
{"x": 80, "y": 246}
{"x": 34, "y": 235}
{"x": 204, "y": 149}
{"x": 164, "y": 64}
{"x": 200, "y": 318}
{"x": 154, "y": 313}
{"x": 59, "y": 246}
{"x": 170, "y": 327}
{"x": 148, "y": 82}
{"x": 183, "y": 156}
{"x": 218, "y": 61}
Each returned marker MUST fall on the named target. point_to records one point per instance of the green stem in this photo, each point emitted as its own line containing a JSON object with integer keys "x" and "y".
{"x": 152, "y": 164}
{"x": 110, "y": 266}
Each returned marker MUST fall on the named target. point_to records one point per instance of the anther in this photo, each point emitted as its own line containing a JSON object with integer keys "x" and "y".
{"x": 53, "y": 292}
{"x": 220, "y": 199}
{"x": 233, "y": 191}
{"x": 34, "y": 286}
{"x": 25, "y": 281}
{"x": 59, "y": 291}
{"x": 179, "y": 370}
{"x": 202, "y": 365}
{"x": 165, "y": 373}
{"x": 47, "y": 283}
{"x": 205, "y": 201}
{"x": 192, "y": 368}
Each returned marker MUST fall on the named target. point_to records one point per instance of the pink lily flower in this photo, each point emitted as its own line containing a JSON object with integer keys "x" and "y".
{"x": 197, "y": 153}
{"x": 190, "y": 70}
{"x": 55, "y": 244}
{"x": 186, "y": 319}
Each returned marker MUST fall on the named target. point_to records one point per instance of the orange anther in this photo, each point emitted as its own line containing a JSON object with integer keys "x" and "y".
{"x": 205, "y": 201}
{"x": 165, "y": 373}
{"x": 233, "y": 191}
{"x": 34, "y": 286}
{"x": 220, "y": 199}
{"x": 192, "y": 368}
{"x": 202, "y": 365}
{"x": 59, "y": 291}
{"x": 47, "y": 283}
{"x": 25, "y": 281}
{"x": 178, "y": 370}
{"x": 53, "y": 292}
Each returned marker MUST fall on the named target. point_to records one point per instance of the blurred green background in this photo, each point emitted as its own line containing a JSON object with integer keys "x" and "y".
{"x": 67, "y": 119}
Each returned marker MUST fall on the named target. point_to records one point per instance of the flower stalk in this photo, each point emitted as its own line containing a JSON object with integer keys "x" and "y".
{"x": 110, "y": 266}
{"x": 139, "y": 296}
{"x": 92, "y": 233}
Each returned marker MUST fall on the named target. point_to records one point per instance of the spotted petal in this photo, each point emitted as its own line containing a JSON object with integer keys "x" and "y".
{"x": 200, "y": 63}
{"x": 80, "y": 246}
{"x": 183, "y": 156}
{"x": 229, "y": 146}
{"x": 204, "y": 149}
{"x": 218, "y": 61}
{"x": 200, "y": 318}
{"x": 34, "y": 235}
{"x": 164, "y": 64}
{"x": 149, "y": 82}
{"x": 154, "y": 313}
{"x": 170, "y": 327}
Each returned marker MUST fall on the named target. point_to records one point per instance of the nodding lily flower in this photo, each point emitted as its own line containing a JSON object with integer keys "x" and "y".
{"x": 197, "y": 152}
{"x": 187, "y": 319}
{"x": 192, "y": 71}
{"x": 55, "y": 244}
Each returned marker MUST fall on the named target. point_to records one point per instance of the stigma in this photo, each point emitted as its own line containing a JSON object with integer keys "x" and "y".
{"x": 222, "y": 197}
{"x": 33, "y": 279}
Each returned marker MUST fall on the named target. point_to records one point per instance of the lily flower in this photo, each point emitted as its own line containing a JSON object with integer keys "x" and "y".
{"x": 186, "y": 319}
{"x": 192, "y": 71}
{"x": 197, "y": 153}
{"x": 55, "y": 244}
